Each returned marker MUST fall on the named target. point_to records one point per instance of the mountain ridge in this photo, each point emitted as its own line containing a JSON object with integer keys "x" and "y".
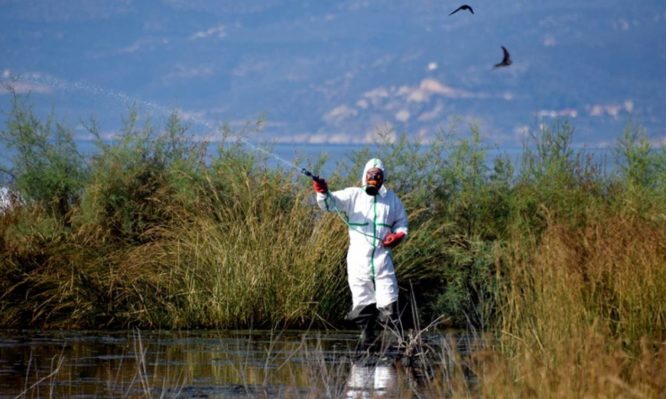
{"x": 337, "y": 72}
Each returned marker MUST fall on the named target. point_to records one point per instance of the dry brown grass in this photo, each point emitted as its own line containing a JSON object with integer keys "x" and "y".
{"x": 585, "y": 311}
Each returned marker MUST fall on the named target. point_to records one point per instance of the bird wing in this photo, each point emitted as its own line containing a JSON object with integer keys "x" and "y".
{"x": 507, "y": 57}
{"x": 463, "y": 7}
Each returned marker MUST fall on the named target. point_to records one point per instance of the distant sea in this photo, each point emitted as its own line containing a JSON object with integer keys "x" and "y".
{"x": 301, "y": 155}
{"x": 340, "y": 155}
{"x": 297, "y": 156}
{"x": 285, "y": 156}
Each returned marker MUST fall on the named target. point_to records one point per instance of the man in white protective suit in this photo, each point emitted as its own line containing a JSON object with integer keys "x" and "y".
{"x": 377, "y": 223}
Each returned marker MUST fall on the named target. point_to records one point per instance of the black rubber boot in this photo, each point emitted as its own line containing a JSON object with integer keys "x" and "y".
{"x": 366, "y": 318}
{"x": 389, "y": 319}
{"x": 388, "y": 315}
{"x": 368, "y": 335}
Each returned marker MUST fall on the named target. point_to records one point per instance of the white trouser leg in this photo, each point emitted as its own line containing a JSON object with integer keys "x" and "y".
{"x": 386, "y": 289}
{"x": 362, "y": 290}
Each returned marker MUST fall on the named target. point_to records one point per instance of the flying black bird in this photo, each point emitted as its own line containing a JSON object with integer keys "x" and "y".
{"x": 506, "y": 60}
{"x": 463, "y": 7}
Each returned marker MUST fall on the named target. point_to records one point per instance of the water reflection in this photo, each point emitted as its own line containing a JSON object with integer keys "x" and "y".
{"x": 371, "y": 381}
{"x": 197, "y": 364}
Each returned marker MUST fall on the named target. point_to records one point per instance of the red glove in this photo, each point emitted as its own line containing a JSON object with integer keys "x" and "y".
{"x": 320, "y": 186}
{"x": 393, "y": 239}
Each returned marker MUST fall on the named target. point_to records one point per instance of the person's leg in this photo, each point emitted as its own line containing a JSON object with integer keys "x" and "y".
{"x": 386, "y": 284}
{"x": 387, "y": 307}
{"x": 365, "y": 317}
{"x": 364, "y": 309}
{"x": 386, "y": 287}
{"x": 389, "y": 315}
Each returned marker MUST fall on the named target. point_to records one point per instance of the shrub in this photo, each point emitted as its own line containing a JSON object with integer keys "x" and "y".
{"x": 47, "y": 167}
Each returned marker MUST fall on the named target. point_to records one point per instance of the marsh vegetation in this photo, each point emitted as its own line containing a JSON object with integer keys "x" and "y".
{"x": 559, "y": 255}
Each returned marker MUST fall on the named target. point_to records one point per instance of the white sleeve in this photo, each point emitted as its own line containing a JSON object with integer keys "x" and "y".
{"x": 336, "y": 201}
{"x": 400, "y": 223}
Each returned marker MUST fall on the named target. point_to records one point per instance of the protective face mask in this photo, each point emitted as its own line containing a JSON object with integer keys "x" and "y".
{"x": 375, "y": 181}
{"x": 371, "y": 189}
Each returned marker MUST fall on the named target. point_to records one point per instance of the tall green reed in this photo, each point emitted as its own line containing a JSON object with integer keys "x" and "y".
{"x": 159, "y": 233}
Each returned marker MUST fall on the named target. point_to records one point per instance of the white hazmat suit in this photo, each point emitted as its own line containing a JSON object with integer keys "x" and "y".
{"x": 371, "y": 218}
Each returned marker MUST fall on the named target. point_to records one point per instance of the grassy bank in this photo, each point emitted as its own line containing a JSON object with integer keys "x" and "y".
{"x": 558, "y": 255}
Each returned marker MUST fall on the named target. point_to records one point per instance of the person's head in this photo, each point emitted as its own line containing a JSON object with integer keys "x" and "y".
{"x": 373, "y": 176}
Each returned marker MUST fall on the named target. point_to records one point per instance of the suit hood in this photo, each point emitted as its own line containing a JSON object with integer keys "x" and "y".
{"x": 374, "y": 163}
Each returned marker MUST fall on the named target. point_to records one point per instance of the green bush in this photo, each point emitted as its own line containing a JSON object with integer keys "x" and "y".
{"x": 155, "y": 230}
{"x": 138, "y": 182}
{"x": 641, "y": 171}
{"x": 47, "y": 168}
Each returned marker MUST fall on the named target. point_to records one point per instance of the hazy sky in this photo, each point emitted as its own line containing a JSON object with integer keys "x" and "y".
{"x": 341, "y": 71}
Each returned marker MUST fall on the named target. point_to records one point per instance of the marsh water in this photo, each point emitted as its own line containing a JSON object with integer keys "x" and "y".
{"x": 202, "y": 364}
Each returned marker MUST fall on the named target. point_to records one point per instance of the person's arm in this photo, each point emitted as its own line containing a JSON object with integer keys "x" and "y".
{"x": 399, "y": 229}
{"x": 401, "y": 225}
{"x": 335, "y": 201}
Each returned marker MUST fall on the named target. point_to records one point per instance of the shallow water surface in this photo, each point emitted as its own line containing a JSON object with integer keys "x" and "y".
{"x": 197, "y": 364}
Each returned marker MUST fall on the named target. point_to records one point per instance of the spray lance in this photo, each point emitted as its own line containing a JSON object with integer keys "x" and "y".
{"x": 310, "y": 174}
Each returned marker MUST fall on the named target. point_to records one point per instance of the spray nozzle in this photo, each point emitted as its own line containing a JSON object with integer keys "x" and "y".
{"x": 309, "y": 174}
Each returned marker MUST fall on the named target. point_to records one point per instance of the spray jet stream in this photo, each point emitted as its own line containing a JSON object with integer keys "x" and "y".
{"x": 62, "y": 84}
